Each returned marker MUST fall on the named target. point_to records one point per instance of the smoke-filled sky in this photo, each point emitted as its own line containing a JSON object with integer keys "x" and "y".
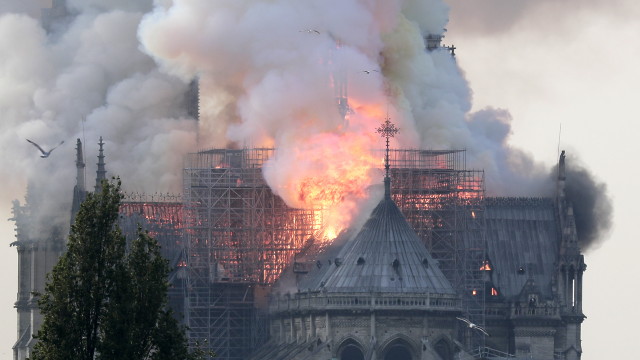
{"x": 119, "y": 69}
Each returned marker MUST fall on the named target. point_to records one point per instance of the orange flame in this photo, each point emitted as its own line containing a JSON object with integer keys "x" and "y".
{"x": 338, "y": 182}
{"x": 333, "y": 171}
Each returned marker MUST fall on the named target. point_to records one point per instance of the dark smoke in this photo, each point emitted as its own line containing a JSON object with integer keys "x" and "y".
{"x": 592, "y": 204}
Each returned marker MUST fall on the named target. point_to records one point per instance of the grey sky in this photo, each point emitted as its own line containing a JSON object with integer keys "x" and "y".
{"x": 487, "y": 17}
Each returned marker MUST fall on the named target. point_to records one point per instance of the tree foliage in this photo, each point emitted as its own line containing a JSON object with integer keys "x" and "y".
{"x": 104, "y": 301}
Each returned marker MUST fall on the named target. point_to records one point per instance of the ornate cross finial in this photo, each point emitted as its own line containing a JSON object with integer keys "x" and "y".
{"x": 387, "y": 130}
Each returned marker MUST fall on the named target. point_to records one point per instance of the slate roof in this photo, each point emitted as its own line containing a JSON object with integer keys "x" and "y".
{"x": 523, "y": 240}
{"x": 385, "y": 256}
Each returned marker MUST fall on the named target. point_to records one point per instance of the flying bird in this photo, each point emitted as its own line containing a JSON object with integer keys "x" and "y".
{"x": 45, "y": 154}
{"x": 473, "y": 326}
{"x": 311, "y": 31}
{"x": 369, "y": 71}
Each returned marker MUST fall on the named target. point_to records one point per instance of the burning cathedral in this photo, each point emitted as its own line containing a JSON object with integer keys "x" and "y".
{"x": 427, "y": 267}
{"x": 437, "y": 271}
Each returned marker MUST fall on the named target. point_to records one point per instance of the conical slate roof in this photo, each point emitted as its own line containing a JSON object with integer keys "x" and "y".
{"x": 385, "y": 256}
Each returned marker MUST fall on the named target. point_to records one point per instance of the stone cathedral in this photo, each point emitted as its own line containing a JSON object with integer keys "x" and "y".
{"x": 380, "y": 294}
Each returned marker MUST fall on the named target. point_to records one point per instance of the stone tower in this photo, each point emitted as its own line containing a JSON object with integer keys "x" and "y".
{"x": 40, "y": 242}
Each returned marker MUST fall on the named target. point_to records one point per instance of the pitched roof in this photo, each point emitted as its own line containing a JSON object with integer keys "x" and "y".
{"x": 385, "y": 256}
{"x": 523, "y": 240}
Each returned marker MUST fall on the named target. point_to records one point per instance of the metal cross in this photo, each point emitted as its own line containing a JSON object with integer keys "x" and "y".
{"x": 387, "y": 130}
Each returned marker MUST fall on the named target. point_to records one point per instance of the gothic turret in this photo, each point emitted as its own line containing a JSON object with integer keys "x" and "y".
{"x": 79, "y": 191}
{"x": 570, "y": 270}
{"x": 101, "y": 173}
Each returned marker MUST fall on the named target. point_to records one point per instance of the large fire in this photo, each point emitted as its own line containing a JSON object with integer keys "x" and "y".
{"x": 333, "y": 170}
{"x": 343, "y": 168}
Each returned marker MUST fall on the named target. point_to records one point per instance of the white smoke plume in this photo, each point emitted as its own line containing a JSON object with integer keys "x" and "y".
{"x": 85, "y": 79}
{"x": 265, "y": 67}
{"x": 269, "y": 73}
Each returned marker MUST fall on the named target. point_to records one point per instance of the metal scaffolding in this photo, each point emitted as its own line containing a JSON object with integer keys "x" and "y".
{"x": 444, "y": 203}
{"x": 441, "y": 200}
{"x": 240, "y": 235}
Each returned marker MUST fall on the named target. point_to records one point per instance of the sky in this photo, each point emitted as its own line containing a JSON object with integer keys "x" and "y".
{"x": 566, "y": 74}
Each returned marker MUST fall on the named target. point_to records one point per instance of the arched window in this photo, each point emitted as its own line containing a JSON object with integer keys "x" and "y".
{"x": 350, "y": 350}
{"x": 398, "y": 350}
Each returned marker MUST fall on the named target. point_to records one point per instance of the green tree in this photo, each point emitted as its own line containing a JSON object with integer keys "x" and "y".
{"x": 104, "y": 302}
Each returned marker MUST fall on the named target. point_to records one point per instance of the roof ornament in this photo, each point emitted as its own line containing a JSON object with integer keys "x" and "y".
{"x": 387, "y": 130}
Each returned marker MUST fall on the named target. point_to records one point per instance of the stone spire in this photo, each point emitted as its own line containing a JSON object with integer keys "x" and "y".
{"x": 562, "y": 177}
{"x": 101, "y": 173}
{"x": 569, "y": 270}
{"x": 80, "y": 166}
{"x": 565, "y": 210}
{"x": 79, "y": 190}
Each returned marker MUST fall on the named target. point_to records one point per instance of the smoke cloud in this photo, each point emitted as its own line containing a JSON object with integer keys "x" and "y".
{"x": 271, "y": 74}
{"x": 84, "y": 80}
{"x": 25, "y": 7}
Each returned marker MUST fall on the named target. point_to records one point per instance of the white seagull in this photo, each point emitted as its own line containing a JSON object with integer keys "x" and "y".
{"x": 369, "y": 71}
{"x": 473, "y": 326}
{"x": 45, "y": 154}
{"x": 311, "y": 31}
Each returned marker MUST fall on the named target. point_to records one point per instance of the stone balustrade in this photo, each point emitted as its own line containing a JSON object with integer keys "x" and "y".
{"x": 543, "y": 310}
{"x": 356, "y": 301}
